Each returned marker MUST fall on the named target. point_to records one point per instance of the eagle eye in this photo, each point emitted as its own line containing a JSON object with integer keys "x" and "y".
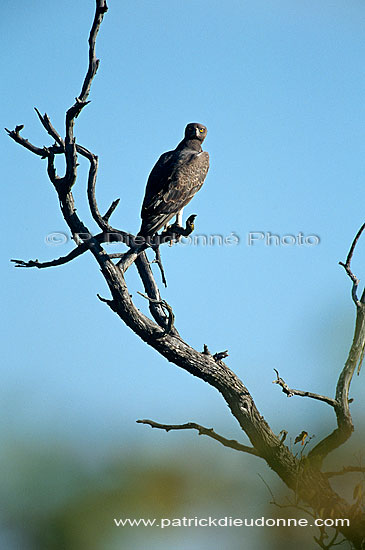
{"x": 201, "y": 130}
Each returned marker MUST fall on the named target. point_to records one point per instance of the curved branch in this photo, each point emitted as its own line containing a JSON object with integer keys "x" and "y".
{"x": 101, "y": 9}
{"x": 15, "y": 135}
{"x": 165, "y": 306}
{"x": 302, "y": 476}
{"x": 290, "y": 392}
{"x": 347, "y": 267}
{"x": 231, "y": 443}
{"x": 354, "y": 360}
{"x": 53, "y": 263}
{"x": 102, "y": 221}
{"x": 80, "y": 249}
{"x": 152, "y": 291}
{"x": 81, "y": 100}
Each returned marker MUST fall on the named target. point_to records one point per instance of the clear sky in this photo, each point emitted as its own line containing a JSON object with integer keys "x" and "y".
{"x": 280, "y": 86}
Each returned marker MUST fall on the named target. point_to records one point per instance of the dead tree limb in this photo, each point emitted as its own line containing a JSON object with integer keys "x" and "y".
{"x": 346, "y": 470}
{"x": 347, "y": 267}
{"x": 355, "y": 357}
{"x": 231, "y": 443}
{"x": 303, "y": 475}
{"x": 290, "y": 392}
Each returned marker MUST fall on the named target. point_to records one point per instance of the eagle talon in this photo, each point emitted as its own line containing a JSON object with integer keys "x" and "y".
{"x": 175, "y": 231}
{"x": 189, "y": 225}
{"x": 175, "y": 228}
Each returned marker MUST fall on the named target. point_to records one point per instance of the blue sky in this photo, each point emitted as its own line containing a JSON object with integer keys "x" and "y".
{"x": 280, "y": 86}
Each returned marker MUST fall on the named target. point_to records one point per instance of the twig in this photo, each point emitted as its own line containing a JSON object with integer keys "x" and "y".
{"x": 290, "y": 392}
{"x": 15, "y": 135}
{"x": 81, "y": 100}
{"x": 101, "y": 9}
{"x": 102, "y": 221}
{"x": 110, "y": 210}
{"x": 158, "y": 261}
{"x": 345, "y": 470}
{"x": 80, "y": 249}
{"x": 290, "y": 505}
{"x": 46, "y": 122}
{"x": 206, "y": 350}
{"x": 59, "y": 261}
{"x": 231, "y": 443}
{"x": 323, "y": 535}
{"x": 110, "y": 303}
{"x": 347, "y": 266}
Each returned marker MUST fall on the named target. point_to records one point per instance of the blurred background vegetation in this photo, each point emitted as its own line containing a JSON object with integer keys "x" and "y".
{"x": 54, "y": 496}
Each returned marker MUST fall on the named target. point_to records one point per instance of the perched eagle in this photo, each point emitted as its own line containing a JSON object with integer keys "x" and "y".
{"x": 174, "y": 180}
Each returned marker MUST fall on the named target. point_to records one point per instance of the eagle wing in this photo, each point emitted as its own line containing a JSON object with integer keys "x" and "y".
{"x": 157, "y": 179}
{"x": 175, "y": 179}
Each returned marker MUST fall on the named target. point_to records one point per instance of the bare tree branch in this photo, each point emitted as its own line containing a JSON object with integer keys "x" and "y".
{"x": 323, "y": 536}
{"x": 53, "y": 263}
{"x": 15, "y": 135}
{"x": 81, "y": 100}
{"x": 231, "y": 443}
{"x": 354, "y": 360}
{"x": 303, "y": 474}
{"x": 83, "y": 247}
{"x": 46, "y": 122}
{"x": 110, "y": 210}
{"x": 158, "y": 261}
{"x": 206, "y": 350}
{"x": 344, "y": 421}
{"x": 346, "y": 470}
{"x": 170, "y": 235}
{"x": 165, "y": 305}
{"x": 347, "y": 266}
{"x": 220, "y": 355}
{"x": 290, "y": 392}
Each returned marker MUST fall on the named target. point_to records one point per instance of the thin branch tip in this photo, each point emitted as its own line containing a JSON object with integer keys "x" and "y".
{"x": 104, "y": 300}
{"x": 206, "y": 350}
{"x": 202, "y": 430}
{"x": 289, "y": 392}
{"x": 347, "y": 267}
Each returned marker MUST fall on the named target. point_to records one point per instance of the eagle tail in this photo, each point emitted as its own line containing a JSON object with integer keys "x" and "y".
{"x": 150, "y": 227}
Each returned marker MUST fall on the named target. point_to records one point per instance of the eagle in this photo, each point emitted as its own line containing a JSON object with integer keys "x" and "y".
{"x": 174, "y": 180}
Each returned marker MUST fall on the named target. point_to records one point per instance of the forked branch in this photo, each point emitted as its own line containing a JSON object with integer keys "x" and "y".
{"x": 302, "y": 476}
{"x": 354, "y": 360}
{"x": 347, "y": 267}
{"x": 290, "y": 392}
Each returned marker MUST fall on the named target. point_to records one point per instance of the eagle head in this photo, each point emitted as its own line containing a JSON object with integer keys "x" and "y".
{"x": 194, "y": 130}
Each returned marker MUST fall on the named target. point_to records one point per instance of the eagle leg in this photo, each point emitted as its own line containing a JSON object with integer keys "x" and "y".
{"x": 178, "y": 220}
